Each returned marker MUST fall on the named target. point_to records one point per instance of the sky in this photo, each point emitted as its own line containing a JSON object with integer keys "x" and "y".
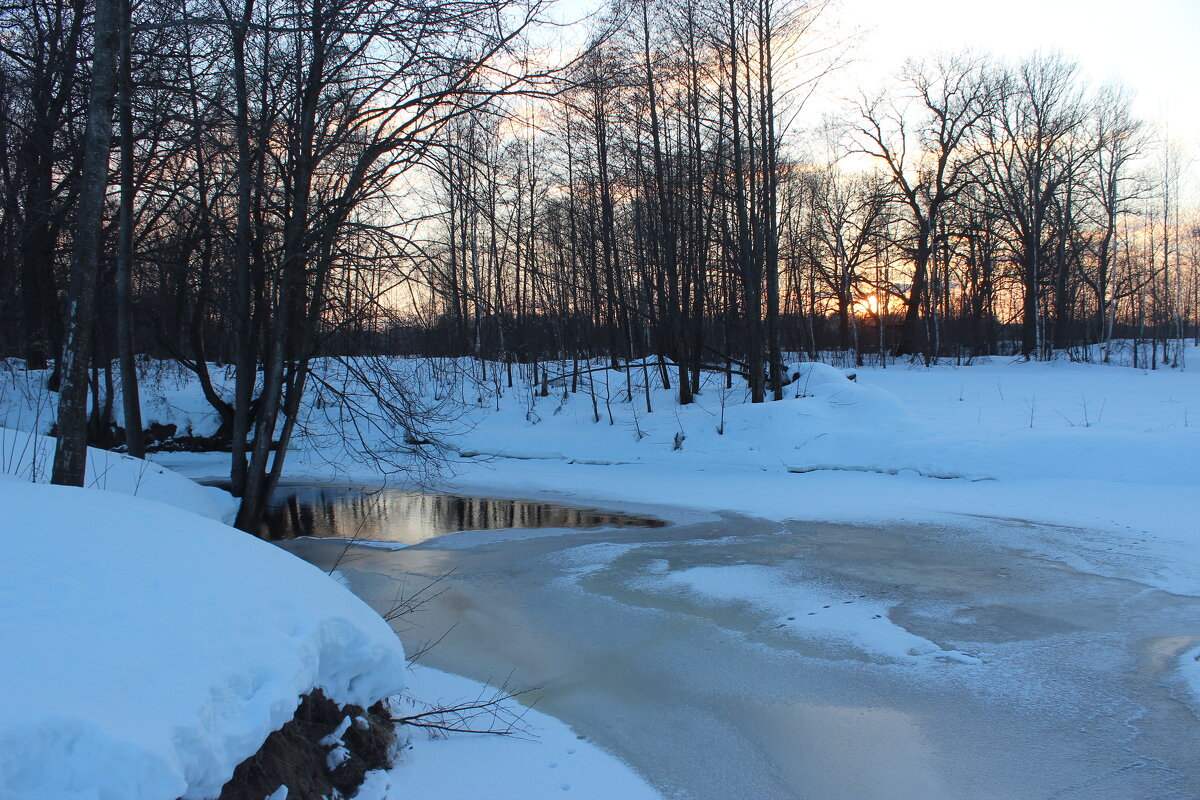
{"x": 1151, "y": 46}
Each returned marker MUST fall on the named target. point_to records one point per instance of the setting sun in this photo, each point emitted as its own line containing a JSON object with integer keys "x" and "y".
{"x": 867, "y": 305}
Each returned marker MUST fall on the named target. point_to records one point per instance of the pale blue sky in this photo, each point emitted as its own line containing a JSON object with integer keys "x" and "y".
{"x": 1150, "y": 46}
{"x": 1153, "y": 46}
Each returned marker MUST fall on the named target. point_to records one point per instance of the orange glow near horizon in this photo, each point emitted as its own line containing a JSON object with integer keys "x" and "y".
{"x": 868, "y": 305}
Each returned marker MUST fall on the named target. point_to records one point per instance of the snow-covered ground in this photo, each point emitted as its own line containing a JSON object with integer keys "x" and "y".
{"x": 1105, "y": 455}
{"x": 1110, "y": 450}
{"x": 147, "y": 650}
{"x": 1097, "y": 465}
{"x": 27, "y": 457}
{"x": 549, "y": 761}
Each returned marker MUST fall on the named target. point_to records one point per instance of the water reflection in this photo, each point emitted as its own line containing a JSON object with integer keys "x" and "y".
{"x": 412, "y": 517}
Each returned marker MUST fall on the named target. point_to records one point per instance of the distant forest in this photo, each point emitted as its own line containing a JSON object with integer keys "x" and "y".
{"x": 261, "y": 182}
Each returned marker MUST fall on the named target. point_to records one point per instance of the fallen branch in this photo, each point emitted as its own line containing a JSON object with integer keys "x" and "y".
{"x": 489, "y": 715}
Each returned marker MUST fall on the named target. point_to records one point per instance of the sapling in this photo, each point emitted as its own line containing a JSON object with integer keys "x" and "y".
{"x": 592, "y": 392}
{"x": 608, "y": 399}
{"x": 646, "y": 384}
{"x": 636, "y": 422}
{"x": 1087, "y": 423}
{"x": 143, "y": 468}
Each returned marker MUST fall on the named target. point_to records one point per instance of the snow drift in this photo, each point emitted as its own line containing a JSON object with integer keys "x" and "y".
{"x": 29, "y": 457}
{"x": 147, "y": 651}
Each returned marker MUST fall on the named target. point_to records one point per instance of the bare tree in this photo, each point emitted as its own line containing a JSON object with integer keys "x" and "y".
{"x": 1025, "y": 161}
{"x": 70, "y": 453}
{"x": 928, "y": 161}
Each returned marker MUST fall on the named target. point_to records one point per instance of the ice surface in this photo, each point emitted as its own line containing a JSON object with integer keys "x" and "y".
{"x": 805, "y": 609}
{"x": 991, "y": 673}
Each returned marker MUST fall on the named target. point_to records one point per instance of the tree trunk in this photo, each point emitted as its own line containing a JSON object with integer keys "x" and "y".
{"x": 130, "y": 401}
{"x": 70, "y": 453}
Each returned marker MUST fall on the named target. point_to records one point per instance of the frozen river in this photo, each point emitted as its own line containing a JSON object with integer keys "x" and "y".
{"x": 733, "y": 657}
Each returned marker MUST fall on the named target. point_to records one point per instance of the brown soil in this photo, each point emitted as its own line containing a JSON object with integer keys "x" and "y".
{"x": 293, "y": 756}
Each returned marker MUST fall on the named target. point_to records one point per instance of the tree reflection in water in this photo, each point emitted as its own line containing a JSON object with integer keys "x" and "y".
{"x": 412, "y": 517}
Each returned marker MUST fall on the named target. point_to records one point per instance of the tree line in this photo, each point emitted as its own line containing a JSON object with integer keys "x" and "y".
{"x": 255, "y": 183}
{"x": 241, "y": 203}
{"x": 667, "y": 204}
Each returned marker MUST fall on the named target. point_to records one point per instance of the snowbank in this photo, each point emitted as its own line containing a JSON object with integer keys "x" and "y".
{"x": 146, "y": 651}
{"x": 559, "y": 764}
{"x": 999, "y": 420}
{"x": 1002, "y": 421}
{"x": 28, "y": 457}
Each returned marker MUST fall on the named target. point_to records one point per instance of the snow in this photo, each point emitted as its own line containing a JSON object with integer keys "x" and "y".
{"x": 558, "y": 764}
{"x": 1009, "y": 421}
{"x": 29, "y": 457}
{"x": 147, "y": 650}
{"x": 338, "y": 752}
{"x": 807, "y": 610}
{"x": 1189, "y": 668}
{"x": 1103, "y": 455}
{"x": 1100, "y": 457}
{"x": 1091, "y": 466}
{"x": 1000, "y": 420}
